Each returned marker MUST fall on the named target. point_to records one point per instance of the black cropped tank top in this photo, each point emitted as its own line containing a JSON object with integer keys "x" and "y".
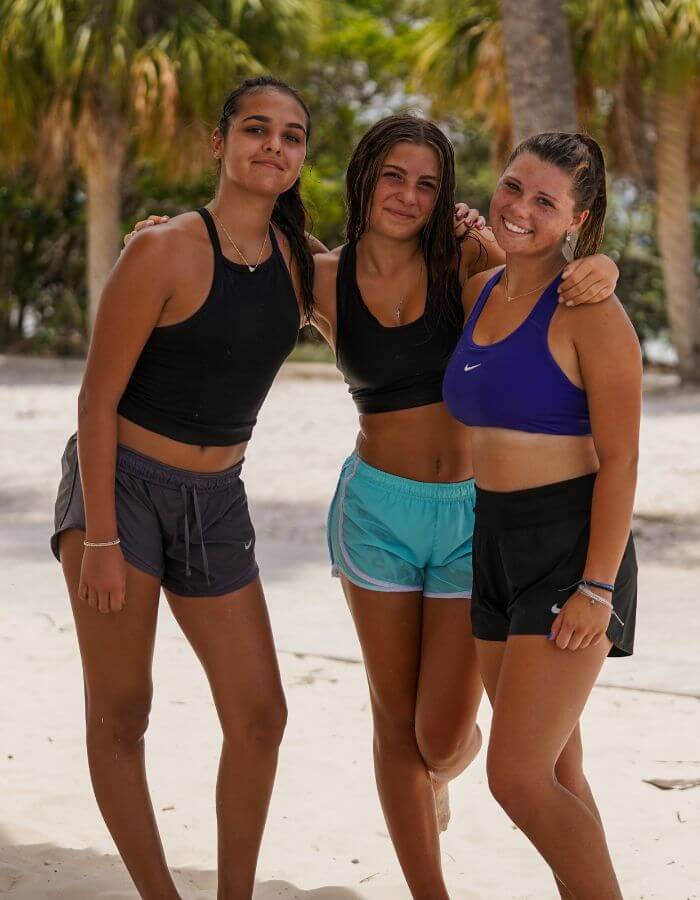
{"x": 203, "y": 380}
{"x": 389, "y": 368}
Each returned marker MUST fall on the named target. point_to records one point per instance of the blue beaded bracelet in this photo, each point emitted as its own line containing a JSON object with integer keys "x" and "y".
{"x": 590, "y": 582}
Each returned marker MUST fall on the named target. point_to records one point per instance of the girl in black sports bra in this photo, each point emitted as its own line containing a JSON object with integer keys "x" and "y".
{"x": 193, "y": 325}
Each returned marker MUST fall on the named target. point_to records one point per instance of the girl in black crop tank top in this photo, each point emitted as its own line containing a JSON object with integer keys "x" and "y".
{"x": 193, "y": 325}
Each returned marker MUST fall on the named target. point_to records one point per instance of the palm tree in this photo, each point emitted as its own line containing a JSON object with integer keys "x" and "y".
{"x": 538, "y": 62}
{"x": 84, "y": 83}
{"x": 460, "y": 62}
{"x": 465, "y": 50}
{"x": 647, "y": 53}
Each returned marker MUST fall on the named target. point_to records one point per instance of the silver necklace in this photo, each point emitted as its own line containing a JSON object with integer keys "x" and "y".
{"x": 539, "y": 287}
{"x": 235, "y": 246}
{"x": 399, "y": 305}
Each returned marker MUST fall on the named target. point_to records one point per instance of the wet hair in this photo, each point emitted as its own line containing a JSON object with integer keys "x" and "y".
{"x": 582, "y": 158}
{"x": 289, "y": 213}
{"x": 438, "y": 241}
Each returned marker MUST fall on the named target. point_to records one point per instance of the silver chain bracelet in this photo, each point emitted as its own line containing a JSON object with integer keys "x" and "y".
{"x": 596, "y": 598}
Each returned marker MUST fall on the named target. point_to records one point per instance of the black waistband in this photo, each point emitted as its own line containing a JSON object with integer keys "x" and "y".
{"x": 503, "y": 510}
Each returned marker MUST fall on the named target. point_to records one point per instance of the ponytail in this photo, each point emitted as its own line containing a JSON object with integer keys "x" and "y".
{"x": 590, "y": 235}
{"x": 290, "y": 216}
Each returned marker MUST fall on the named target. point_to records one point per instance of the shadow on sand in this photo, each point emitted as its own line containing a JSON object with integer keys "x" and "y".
{"x": 47, "y": 872}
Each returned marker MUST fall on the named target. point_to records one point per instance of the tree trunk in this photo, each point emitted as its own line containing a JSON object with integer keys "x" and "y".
{"x": 539, "y": 67}
{"x": 103, "y": 164}
{"x": 673, "y": 194}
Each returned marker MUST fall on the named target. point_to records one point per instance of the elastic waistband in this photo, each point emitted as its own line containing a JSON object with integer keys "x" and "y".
{"x": 503, "y": 510}
{"x": 428, "y": 490}
{"x": 134, "y": 463}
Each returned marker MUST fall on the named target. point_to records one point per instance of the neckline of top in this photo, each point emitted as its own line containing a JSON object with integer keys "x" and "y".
{"x": 352, "y": 263}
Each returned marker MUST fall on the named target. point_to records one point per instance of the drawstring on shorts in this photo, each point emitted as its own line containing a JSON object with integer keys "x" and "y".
{"x": 198, "y": 523}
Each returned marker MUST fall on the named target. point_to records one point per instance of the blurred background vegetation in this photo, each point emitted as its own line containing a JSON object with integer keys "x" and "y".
{"x": 106, "y": 108}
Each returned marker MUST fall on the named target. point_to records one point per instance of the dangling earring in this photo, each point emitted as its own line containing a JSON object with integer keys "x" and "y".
{"x": 568, "y": 248}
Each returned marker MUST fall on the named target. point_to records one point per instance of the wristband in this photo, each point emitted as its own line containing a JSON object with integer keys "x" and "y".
{"x": 102, "y": 543}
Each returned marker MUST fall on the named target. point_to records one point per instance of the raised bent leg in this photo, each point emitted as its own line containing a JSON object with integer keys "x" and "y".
{"x": 449, "y": 694}
{"x": 231, "y": 636}
{"x": 117, "y": 651}
{"x": 538, "y": 699}
{"x": 389, "y": 628}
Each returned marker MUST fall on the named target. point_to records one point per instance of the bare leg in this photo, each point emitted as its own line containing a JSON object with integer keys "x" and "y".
{"x": 528, "y": 737}
{"x": 389, "y": 628}
{"x": 449, "y": 693}
{"x": 232, "y": 638}
{"x": 117, "y": 651}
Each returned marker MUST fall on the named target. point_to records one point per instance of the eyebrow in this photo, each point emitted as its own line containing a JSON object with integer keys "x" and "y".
{"x": 405, "y": 172}
{"x": 267, "y": 120}
{"x": 543, "y": 193}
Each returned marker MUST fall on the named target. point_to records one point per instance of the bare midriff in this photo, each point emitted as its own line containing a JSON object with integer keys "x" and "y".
{"x": 424, "y": 444}
{"x": 509, "y": 460}
{"x": 174, "y": 453}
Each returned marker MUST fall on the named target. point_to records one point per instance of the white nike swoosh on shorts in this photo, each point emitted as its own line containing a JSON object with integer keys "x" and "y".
{"x": 248, "y": 545}
{"x": 556, "y": 609}
{"x": 468, "y": 368}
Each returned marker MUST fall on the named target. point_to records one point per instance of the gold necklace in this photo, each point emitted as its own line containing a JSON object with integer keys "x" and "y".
{"x": 525, "y": 293}
{"x": 235, "y": 246}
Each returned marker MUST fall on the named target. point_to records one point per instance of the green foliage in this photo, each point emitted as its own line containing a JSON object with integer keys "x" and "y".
{"x": 354, "y": 63}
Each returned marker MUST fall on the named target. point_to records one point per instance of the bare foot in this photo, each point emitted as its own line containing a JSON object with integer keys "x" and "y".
{"x": 442, "y": 801}
{"x": 440, "y": 785}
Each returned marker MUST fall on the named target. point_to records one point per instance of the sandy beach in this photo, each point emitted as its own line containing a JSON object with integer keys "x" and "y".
{"x": 325, "y": 836}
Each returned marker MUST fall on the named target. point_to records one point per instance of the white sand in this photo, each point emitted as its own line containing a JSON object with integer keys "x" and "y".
{"x": 325, "y": 836}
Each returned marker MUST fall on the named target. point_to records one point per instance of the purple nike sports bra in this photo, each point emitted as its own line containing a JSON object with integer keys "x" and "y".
{"x": 515, "y": 382}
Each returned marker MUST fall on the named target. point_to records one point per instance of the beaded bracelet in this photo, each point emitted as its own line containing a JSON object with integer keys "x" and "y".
{"x": 591, "y": 582}
{"x": 102, "y": 543}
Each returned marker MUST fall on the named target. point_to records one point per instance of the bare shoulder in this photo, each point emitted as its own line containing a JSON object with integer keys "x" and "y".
{"x": 604, "y": 323}
{"x": 474, "y": 286}
{"x": 327, "y": 264}
{"x": 180, "y": 234}
{"x": 325, "y": 275}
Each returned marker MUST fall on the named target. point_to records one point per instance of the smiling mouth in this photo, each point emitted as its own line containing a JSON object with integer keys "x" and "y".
{"x": 513, "y": 228}
{"x": 400, "y": 215}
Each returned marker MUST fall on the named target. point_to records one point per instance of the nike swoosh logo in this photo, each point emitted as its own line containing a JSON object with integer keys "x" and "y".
{"x": 556, "y": 609}
{"x": 468, "y": 368}
{"x": 249, "y": 544}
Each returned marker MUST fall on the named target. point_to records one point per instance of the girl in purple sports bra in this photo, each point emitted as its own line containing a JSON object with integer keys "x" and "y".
{"x": 553, "y": 399}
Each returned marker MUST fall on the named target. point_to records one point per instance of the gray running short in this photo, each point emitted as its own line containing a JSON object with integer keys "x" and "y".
{"x": 191, "y": 530}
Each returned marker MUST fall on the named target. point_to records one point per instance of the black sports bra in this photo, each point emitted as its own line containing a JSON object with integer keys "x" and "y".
{"x": 203, "y": 380}
{"x": 389, "y": 368}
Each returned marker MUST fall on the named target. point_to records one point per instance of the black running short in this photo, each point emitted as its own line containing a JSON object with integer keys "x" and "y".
{"x": 529, "y": 547}
{"x": 191, "y": 530}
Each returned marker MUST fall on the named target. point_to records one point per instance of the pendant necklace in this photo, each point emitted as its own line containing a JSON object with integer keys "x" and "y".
{"x": 399, "y": 305}
{"x": 235, "y": 247}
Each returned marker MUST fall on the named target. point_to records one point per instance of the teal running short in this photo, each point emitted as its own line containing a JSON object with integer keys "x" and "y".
{"x": 387, "y": 533}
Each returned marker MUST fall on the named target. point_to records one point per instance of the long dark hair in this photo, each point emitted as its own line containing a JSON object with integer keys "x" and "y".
{"x": 289, "y": 213}
{"x": 438, "y": 241}
{"x": 580, "y": 156}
